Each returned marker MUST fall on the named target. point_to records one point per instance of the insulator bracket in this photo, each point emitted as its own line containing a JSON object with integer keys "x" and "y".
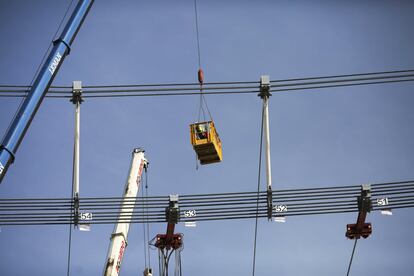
{"x": 361, "y": 228}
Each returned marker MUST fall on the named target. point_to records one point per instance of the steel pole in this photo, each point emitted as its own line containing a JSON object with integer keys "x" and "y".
{"x": 76, "y": 100}
{"x": 76, "y": 152}
{"x": 31, "y": 104}
{"x": 265, "y": 94}
{"x": 267, "y": 141}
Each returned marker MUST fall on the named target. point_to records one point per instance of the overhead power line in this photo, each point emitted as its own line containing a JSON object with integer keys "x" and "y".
{"x": 223, "y": 206}
{"x": 219, "y": 88}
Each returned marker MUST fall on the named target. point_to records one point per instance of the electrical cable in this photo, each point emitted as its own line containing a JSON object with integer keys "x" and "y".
{"x": 73, "y": 210}
{"x": 115, "y": 95}
{"x": 217, "y": 83}
{"x": 346, "y": 76}
{"x": 258, "y": 192}
{"x": 221, "y": 206}
{"x": 352, "y": 257}
{"x": 344, "y": 80}
{"x": 285, "y": 83}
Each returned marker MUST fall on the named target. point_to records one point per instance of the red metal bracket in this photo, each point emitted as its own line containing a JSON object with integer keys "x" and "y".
{"x": 174, "y": 241}
{"x": 169, "y": 240}
{"x": 361, "y": 228}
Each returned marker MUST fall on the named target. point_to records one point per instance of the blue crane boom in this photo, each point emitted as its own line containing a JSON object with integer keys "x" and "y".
{"x": 27, "y": 111}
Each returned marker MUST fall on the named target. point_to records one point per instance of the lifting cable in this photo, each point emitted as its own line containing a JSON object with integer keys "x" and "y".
{"x": 200, "y": 73}
{"x": 145, "y": 225}
{"x": 144, "y": 230}
{"x": 258, "y": 193}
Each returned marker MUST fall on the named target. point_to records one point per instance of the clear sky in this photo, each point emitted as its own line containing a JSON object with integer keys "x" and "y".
{"x": 330, "y": 137}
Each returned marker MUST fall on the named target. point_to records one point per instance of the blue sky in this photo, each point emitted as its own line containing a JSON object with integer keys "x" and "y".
{"x": 330, "y": 137}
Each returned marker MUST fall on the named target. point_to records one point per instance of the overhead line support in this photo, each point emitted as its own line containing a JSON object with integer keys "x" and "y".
{"x": 264, "y": 95}
{"x": 169, "y": 242}
{"x": 76, "y": 100}
{"x": 361, "y": 228}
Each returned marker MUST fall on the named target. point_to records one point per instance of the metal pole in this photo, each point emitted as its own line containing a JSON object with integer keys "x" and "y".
{"x": 76, "y": 100}
{"x": 267, "y": 142}
{"x": 265, "y": 94}
{"x": 31, "y": 104}
{"x": 120, "y": 234}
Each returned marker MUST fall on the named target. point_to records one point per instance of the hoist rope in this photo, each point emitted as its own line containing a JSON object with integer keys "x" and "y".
{"x": 200, "y": 108}
{"x": 147, "y": 217}
{"x": 145, "y": 224}
{"x": 200, "y": 72}
{"x": 197, "y": 33}
{"x": 258, "y": 193}
{"x": 145, "y": 234}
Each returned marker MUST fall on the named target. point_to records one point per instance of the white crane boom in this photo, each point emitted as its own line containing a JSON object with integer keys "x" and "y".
{"x": 120, "y": 234}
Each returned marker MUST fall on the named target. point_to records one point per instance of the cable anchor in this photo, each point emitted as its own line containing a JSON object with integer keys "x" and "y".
{"x": 264, "y": 87}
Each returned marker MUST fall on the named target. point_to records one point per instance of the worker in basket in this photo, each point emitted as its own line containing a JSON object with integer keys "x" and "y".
{"x": 201, "y": 131}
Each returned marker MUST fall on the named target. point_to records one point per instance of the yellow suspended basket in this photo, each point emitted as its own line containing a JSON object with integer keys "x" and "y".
{"x": 206, "y": 142}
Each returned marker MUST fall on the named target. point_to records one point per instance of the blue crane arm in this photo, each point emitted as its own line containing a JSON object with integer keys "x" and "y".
{"x": 27, "y": 111}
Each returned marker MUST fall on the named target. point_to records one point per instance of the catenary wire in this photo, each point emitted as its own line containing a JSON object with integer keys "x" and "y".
{"x": 279, "y": 87}
{"x": 221, "y": 83}
{"x": 223, "y": 206}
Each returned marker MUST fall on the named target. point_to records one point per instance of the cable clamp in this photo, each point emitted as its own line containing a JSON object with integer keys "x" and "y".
{"x": 265, "y": 87}
{"x": 76, "y": 92}
{"x": 172, "y": 212}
